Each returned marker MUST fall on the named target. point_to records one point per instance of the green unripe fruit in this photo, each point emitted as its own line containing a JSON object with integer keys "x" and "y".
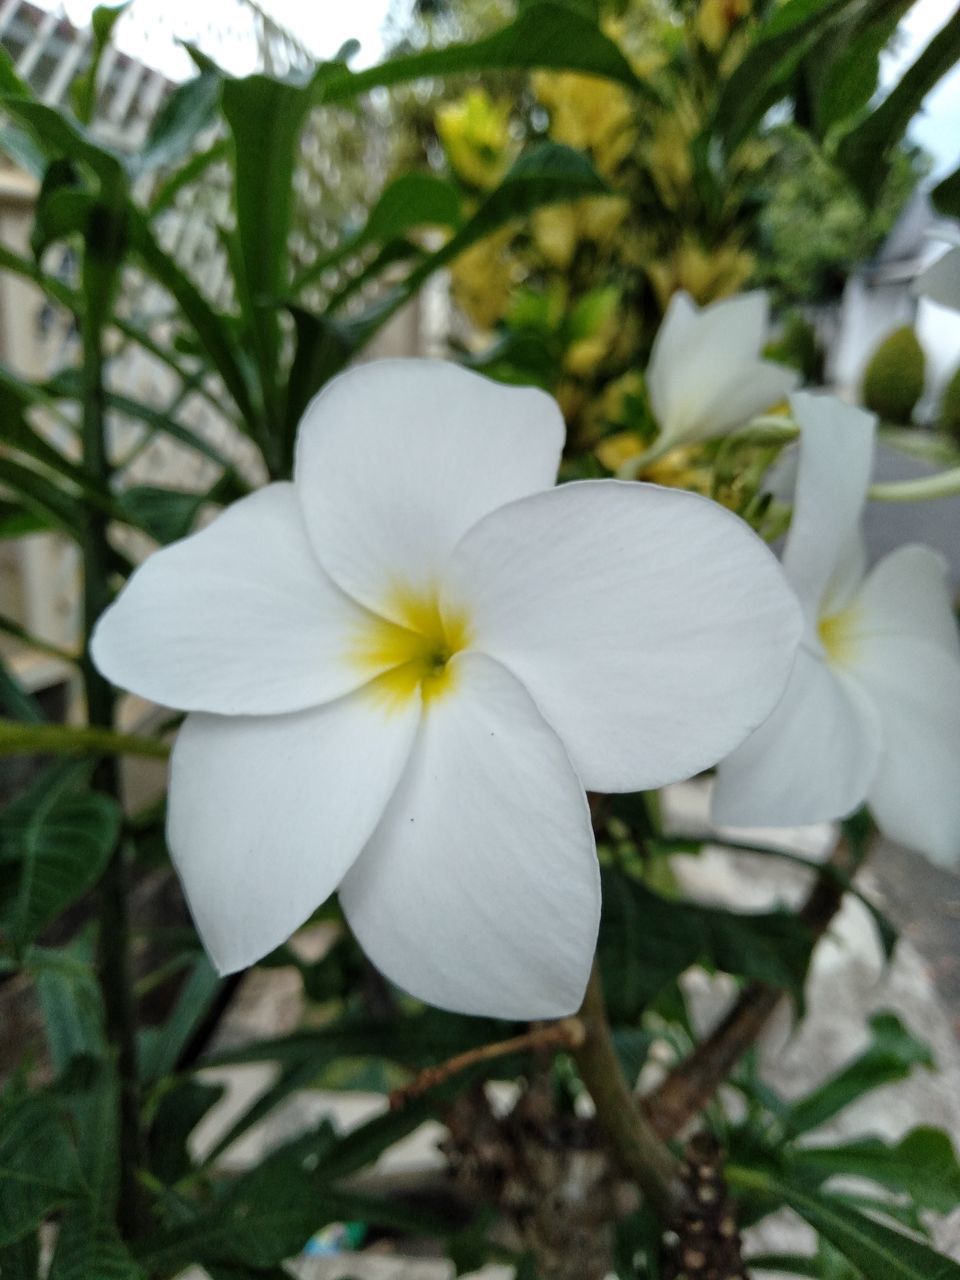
{"x": 949, "y": 420}
{"x": 893, "y": 382}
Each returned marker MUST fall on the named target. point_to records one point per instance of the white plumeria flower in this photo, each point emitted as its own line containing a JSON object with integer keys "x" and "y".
{"x": 940, "y": 282}
{"x": 706, "y": 376}
{"x": 404, "y": 668}
{"x": 872, "y": 709}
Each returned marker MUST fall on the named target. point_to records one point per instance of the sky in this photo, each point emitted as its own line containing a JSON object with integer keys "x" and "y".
{"x": 149, "y": 32}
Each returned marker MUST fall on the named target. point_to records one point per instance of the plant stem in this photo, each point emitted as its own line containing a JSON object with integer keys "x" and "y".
{"x": 113, "y": 960}
{"x": 569, "y": 1033}
{"x": 643, "y": 1155}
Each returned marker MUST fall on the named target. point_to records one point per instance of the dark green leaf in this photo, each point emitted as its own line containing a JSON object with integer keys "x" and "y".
{"x": 181, "y": 1108}
{"x": 166, "y": 514}
{"x": 87, "y": 1243}
{"x": 763, "y": 77}
{"x": 946, "y": 195}
{"x": 323, "y": 349}
{"x": 40, "y": 494}
{"x": 61, "y": 138}
{"x": 187, "y": 112}
{"x": 892, "y": 1055}
{"x": 544, "y": 35}
{"x": 83, "y": 91}
{"x": 546, "y": 174}
{"x": 646, "y": 942}
{"x": 412, "y": 200}
{"x": 876, "y": 1250}
{"x": 846, "y": 71}
{"x": 864, "y": 152}
{"x": 38, "y": 1167}
{"x": 210, "y": 326}
{"x": 923, "y": 1164}
{"x": 21, "y": 1260}
{"x": 16, "y": 702}
{"x": 161, "y": 1047}
{"x": 88, "y": 1246}
{"x": 793, "y": 1264}
{"x": 70, "y": 1000}
{"x": 53, "y": 847}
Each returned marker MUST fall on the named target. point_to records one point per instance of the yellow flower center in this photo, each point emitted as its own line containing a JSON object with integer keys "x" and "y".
{"x": 414, "y": 652}
{"x": 838, "y": 635}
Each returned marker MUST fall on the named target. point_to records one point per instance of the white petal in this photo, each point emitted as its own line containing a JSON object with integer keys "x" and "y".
{"x": 813, "y": 760}
{"x": 266, "y": 814}
{"x": 908, "y": 594}
{"x": 668, "y": 354}
{"x": 653, "y": 629}
{"x": 915, "y": 796}
{"x": 847, "y": 576}
{"x": 236, "y": 619}
{"x": 480, "y": 890}
{"x": 940, "y": 282}
{"x": 395, "y": 460}
{"x": 836, "y": 455}
{"x": 705, "y": 374}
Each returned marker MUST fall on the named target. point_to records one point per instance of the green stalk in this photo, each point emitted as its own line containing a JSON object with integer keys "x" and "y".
{"x": 113, "y": 959}
{"x": 644, "y": 1157}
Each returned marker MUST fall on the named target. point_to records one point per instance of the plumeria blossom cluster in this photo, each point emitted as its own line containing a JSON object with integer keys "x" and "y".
{"x": 404, "y": 668}
{"x": 872, "y": 709}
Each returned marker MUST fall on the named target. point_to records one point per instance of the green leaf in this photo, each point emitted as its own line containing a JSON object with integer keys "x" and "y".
{"x": 886, "y": 930}
{"x": 418, "y": 1041}
{"x": 70, "y": 999}
{"x": 21, "y": 1260}
{"x": 61, "y": 138}
{"x": 15, "y": 700}
{"x": 182, "y": 1106}
{"x": 83, "y": 91}
{"x": 845, "y": 72}
{"x": 545, "y": 174}
{"x": 793, "y": 1264}
{"x": 946, "y": 195}
{"x": 38, "y": 1166}
{"x": 266, "y": 1215}
{"x": 323, "y": 348}
{"x": 265, "y": 117}
{"x": 764, "y": 76}
{"x": 161, "y": 1047}
{"x": 54, "y": 845}
{"x": 892, "y": 1055}
{"x": 411, "y": 200}
{"x": 211, "y": 328}
{"x": 876, "y": 1250}
{"x": 187, "y": 112}
{"x": 546, "y": 35}
{"x": 87, "y": 1242}
{"x": 647, "y": 941}
{"x": 40, "y": 494}
{"x": 166, "y": 514}
{"x": 864, "y": 153}
{"x": 89, "y": 1246}
{"x": 17, "y": 520}
{"x": 923, "y": 1164}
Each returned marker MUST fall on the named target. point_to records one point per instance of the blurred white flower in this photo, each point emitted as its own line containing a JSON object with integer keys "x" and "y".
{"x": 404, "y": 668}
{"x": 872, "y": 709}
{"x": 940, "y": 282}
{"x": 706, "y": 376}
